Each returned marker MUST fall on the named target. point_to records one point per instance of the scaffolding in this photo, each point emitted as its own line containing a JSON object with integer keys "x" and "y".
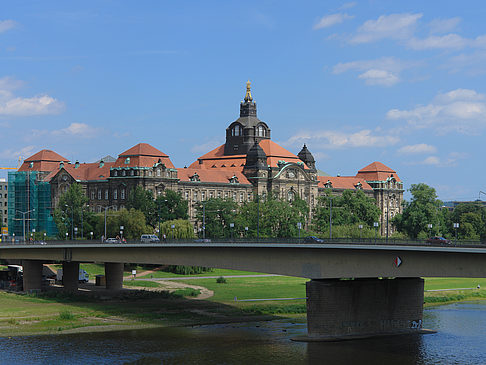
{"x": 29, "y": 204}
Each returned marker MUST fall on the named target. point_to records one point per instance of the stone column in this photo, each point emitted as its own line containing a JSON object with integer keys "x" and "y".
{"x": 114, "y": 275}
{"x": 346, "y": 309}
{"x": 70, "y": 275}
{"x": 32, "y": 275}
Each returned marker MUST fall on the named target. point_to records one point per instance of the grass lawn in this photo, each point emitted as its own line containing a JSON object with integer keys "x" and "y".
{"x": 453, "y": 283}
{"x": 142, "y": 283}
{"x": 163, "y": 274}
{"x": 254, "y": 288}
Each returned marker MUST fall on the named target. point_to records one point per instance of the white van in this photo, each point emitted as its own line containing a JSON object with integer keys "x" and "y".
{"x": 149, "y": 238}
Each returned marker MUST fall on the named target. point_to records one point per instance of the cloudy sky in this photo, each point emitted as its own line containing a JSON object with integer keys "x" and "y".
{"x": 400, "y": 82}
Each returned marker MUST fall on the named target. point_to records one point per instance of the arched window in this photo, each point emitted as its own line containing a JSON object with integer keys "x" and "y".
{"x": 261, "y": 131}
{"x": 236, "y": 130}
{"x": 290, "y": 196}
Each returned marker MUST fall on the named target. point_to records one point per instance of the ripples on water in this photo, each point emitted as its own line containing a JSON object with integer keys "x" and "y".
{"x": 461, "y": 340}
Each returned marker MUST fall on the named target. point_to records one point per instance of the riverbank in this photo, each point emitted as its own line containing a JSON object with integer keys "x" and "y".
{"x": 161, "y": 302}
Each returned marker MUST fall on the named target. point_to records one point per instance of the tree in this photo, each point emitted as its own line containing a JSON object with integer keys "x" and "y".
{"x": 71, "y": 211}
{"x": 171, "y": 205}
{"x": 182, "y": 229}
{"x": 422, "y": 210}
{"x": 352, "y": 208}
{"x": 217, "y": 214}
{"x": 143, "y": 200}
{"x": 133, "y": 222}
{"x": 472, "y": 221}
{"x": 271, "y": 217}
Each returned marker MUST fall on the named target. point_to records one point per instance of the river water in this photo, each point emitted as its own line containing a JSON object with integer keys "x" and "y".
{"x": 461, "y": 339}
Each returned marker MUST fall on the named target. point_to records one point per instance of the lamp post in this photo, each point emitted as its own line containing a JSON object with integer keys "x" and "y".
{"x": 91, "y": 234}
{"x": 360, "y": 230}
{"x": 23, "y": 219}
{"x": 232, "y": 226}
{"x": 82, "y": 221}
{"x": 429, "y": 226}
{"x": 72, "y": 220}
{"x": 258, "y": 217}
{"x": 330, "y": 217}
{"x": 299, "y": 226}
{"x": 106, "y": 208}
{"x": 158, "y": 211}
{"x": 121, "y": 232}
{"x": 376, "y": 224}
{"x": 456, "y": 226}
{"x": 172, "y": 226}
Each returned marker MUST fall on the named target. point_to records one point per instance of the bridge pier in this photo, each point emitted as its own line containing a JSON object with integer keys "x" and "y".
{"x": 70, "y": 275}
{"x": 114, "y": 275}
{"x": 32, "y": 275}
{"x": 360, "y": 308}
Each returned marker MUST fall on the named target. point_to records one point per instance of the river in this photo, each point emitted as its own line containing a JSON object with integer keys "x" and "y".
{"x": 461, "y": 339}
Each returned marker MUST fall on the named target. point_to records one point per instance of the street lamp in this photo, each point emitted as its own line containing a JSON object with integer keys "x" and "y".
{"x": 72, "y": 220}
{"x": 172, "y": 226}
{"x": 91, "y": 233}
{"x": 299, "y": 226}
{"x": 232, "y": 226}
{"x": 106, "y": 208}
{"x": 429, "y": 226}
{"x": 23, "y": 218}
{"x": 456, "y": 226}
{"x": 82, "y": 222}
{"x": 330, "y": 217}
{"x": 158, "y": 211}
{"x": 360, "y": 230}
{"x": 376, "y": 224}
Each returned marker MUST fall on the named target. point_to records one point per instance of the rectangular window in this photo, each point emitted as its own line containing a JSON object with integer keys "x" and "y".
{"x": 99, "y": 194}
{"x": 106, "y": 194}
{"x": 241, "y": 197}
{"x": 115, "y": 194}
{"x": 203, "y": 195}
{"x": 92, "y": 194}
{"x": 186, "y": 195}
{"x": 122, "y": 194}
{"x": 219, "y": 194}
{"x": 6, "y": 212}
{"x": 211, "y": 195}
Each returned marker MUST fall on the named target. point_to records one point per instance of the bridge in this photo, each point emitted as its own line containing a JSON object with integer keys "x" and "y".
{"x": 357, "y": 289}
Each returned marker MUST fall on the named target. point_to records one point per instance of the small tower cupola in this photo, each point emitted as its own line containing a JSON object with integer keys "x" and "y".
{"x": 256, "y": 157}
{"x": 307, "y": 157}
{"x": 248, "y": 107}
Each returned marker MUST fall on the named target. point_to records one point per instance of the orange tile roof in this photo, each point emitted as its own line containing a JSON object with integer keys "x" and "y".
{"x": 377, "y": 171}
{"x": 142, "y": 155}
{"x": 44, "y": 160}
{"x": 143, "y": 149}
{"x": 217, "y": 159}
{"x": 343, "y": 182}
{"x": 211, "y": 176}
{"x": 85, "y": 171}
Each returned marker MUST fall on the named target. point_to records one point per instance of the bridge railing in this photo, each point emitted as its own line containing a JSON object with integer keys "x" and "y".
{"x": 241, "y": 241}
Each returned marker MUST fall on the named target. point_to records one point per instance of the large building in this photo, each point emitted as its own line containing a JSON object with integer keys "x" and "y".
{"x": 247, "y": 165}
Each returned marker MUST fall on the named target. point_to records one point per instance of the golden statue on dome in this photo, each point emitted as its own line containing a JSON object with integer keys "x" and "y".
{"x": 248, "y": 92}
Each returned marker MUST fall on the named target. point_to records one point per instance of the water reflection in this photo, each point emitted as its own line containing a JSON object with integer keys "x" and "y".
{"x": 460, "y": 340}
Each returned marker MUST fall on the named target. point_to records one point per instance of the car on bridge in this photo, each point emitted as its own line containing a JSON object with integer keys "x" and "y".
{"x": 151, "y": 238}
{"x": 313, "y": 239}
{"x": 439, "y": 240}
{"x": 112, "y": 240}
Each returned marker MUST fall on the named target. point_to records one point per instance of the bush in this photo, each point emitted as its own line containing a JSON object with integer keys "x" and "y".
{"x": 66, "y": 316}
{"x": 187, "y": 270}
{"x": 221, "y": 280}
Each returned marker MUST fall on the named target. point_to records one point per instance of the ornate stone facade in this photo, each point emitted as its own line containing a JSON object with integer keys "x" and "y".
{"x": 249, "y": 163}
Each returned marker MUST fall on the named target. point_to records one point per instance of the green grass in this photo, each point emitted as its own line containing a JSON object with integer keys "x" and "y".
{"x": 214, "y": 272}
{"x": 453, "y": 283}
{"x": 254, "y": 288}
{"x": 141, "y": 283}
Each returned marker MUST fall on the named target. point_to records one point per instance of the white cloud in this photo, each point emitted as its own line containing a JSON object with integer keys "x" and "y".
{"x": 383, "y": 71}
{"x": 18, "y": 106}
{"x": 448, "y": 41}
{"x": 330, "y": 20}
{"x": 450, "y": 161}
{"x": 393, "y": 26}
{"x": 438, "y": 26}
{"x": 336, "y": 140}
{"x": 14, "y": 154}
{"x": 6, "y": 25}
{"x": 78, "y": 130}
{"x": 37, "y": 105}
{"x": 417, "y": 149}
{"x": 348, "y": 5}
{"x": 459, "y": 110}
{"x": 379, "y": 77}
{"x": 207, "y": 146}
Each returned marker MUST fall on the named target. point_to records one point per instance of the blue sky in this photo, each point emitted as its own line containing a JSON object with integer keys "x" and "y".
{"x": 399, "y": 82}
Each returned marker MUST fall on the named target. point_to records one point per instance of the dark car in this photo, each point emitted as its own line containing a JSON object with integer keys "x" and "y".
{"x": 438, "y": 239}
{"x": 313, "y": 239}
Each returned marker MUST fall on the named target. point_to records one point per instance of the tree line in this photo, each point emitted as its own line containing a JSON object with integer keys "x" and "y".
{"x": 352, "y": 214}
